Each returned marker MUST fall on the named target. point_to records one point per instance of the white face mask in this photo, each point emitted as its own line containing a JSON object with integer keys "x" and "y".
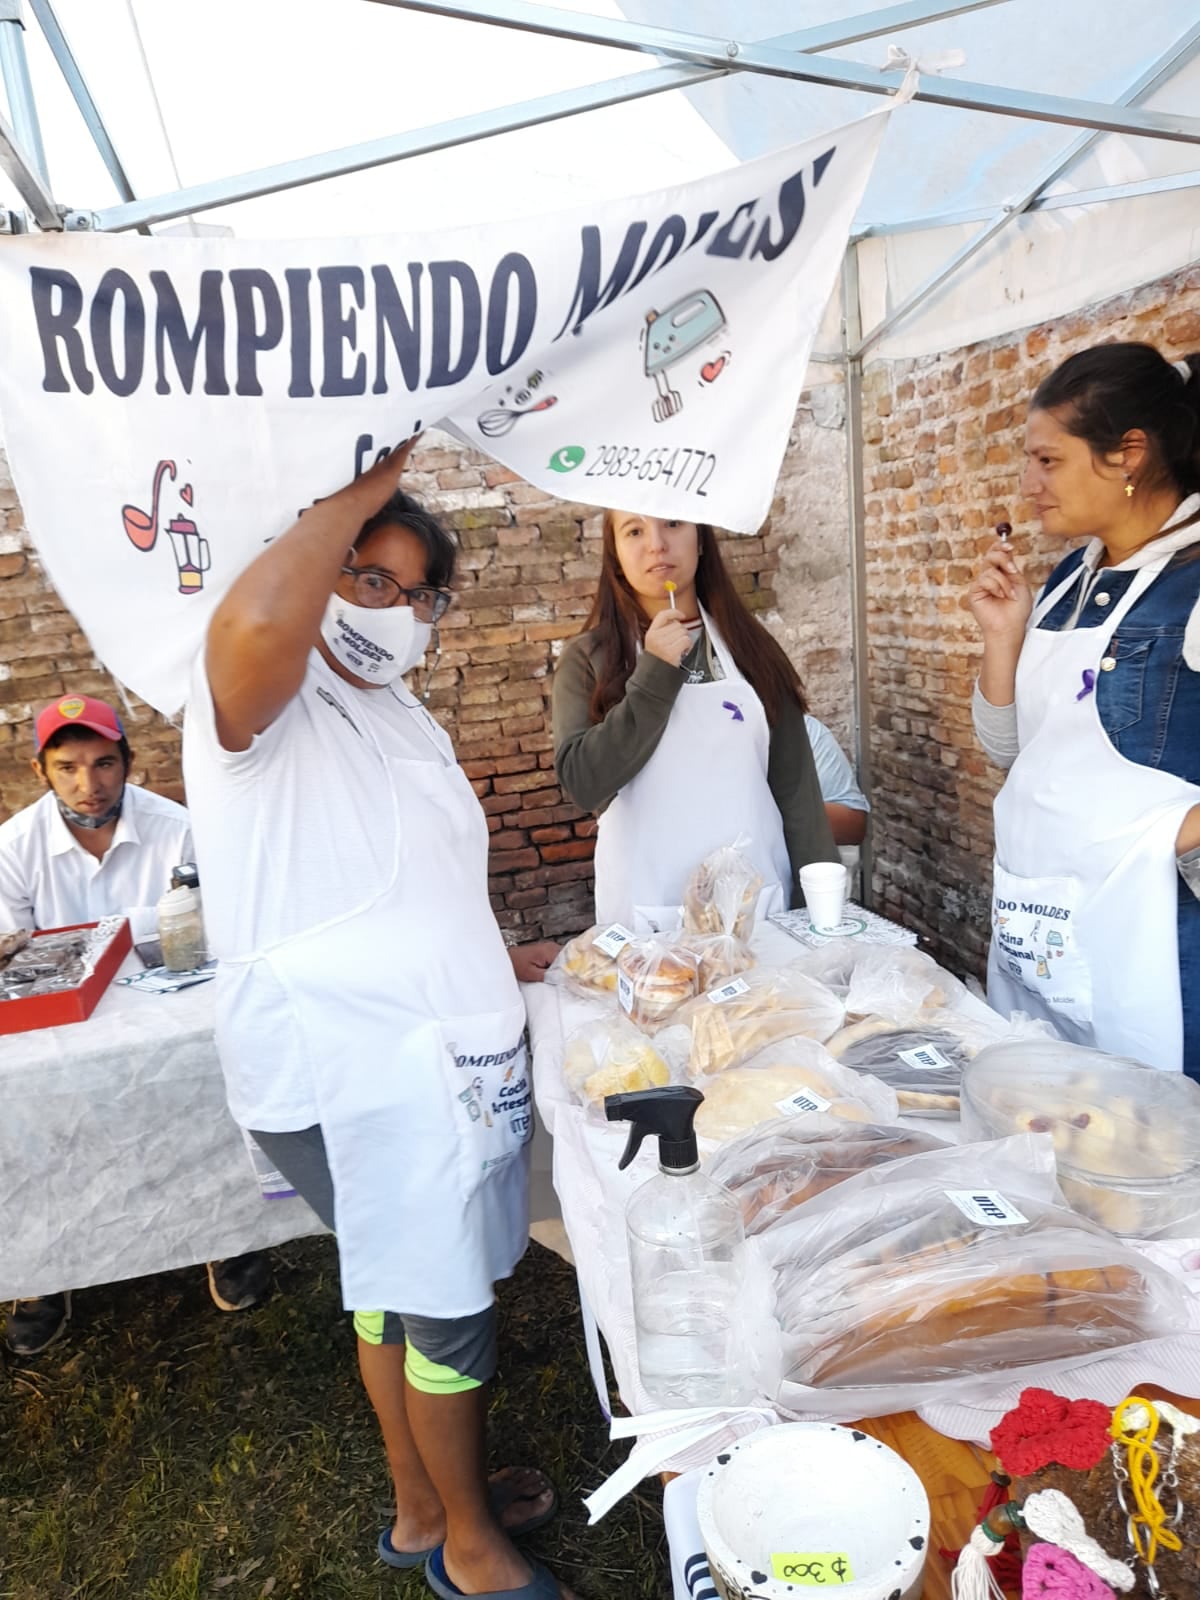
{"x": 376, "y": 646}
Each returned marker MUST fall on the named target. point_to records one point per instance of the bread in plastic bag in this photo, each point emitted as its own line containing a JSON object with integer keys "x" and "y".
{"x": 611, "y": 1056}
{"x": 1126, "y": 1137}
{"x": 763, "y": 1006}
{"x": 794, "y": 1078}
{"x": 958, "y": 1261}
{"x": 922, "y": 1064}
{"x": 719, "y": 957}
{"x": 587, "y": 964}
{"x": 722, "y": 893}
{"x": 654, "y": 978}
{"x": 781, "y": 1164}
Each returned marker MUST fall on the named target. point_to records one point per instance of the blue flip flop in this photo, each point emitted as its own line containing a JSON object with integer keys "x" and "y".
{"x": 542, "y": 1586}
{"x": 502, "y": 1495}
{"x": 404, "y": 1560}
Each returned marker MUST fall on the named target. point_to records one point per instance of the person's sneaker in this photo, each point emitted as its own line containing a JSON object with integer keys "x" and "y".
{"x": 240, "y": 1282}
{"x": 34, "y": 1325}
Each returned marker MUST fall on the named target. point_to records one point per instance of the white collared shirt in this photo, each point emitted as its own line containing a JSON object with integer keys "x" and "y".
{"x": 48, "y": 880}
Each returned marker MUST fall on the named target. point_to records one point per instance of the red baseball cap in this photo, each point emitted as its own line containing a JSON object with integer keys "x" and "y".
{"x": 77, "y": 711}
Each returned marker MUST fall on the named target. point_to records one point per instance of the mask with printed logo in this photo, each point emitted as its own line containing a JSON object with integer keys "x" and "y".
{"x": 375, "y": 645}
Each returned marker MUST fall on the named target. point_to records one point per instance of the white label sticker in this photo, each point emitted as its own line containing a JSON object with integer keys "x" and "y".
{"x": 625, "y": 992}
{"x": 729, "y": 991}
{"x": 925, "y": 1058}
{"x": 988, "y": 1207}
{"x": 613, "y": 940}
{"x": 806, "y": 1100}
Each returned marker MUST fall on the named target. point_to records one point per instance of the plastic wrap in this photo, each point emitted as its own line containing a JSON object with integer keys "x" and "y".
{"x": 760, "y": 1008}
{"x": 722, "y": 894}
{"x": 922, "y": 1064}
{"x": 587, "y": 965}
{"x": 783, "y": 1163}
{"x": 719, "y": 957}
{"x": 960, "y": 1261}
{"x": 1126, "y": 1138}
{"x": 612, "y": 1057}
{"x": 654, "y": 978}
{"x": 794, "y": 1078}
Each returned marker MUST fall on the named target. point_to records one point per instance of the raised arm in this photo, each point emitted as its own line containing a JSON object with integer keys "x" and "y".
{"x": 263, "y": 630}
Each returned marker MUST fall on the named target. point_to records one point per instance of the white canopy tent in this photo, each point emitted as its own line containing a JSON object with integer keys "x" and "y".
{"x": 1048, "y": 159}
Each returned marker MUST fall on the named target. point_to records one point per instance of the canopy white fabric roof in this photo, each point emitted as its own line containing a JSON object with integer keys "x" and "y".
{"x": 191, "y": 91}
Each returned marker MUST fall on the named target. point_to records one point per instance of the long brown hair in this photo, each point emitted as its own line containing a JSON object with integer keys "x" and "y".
{"x": 620, "y": 623}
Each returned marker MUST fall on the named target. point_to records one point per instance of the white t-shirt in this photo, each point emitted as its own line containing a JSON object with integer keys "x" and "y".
{"x": 292, "y": 833}
{"x": 48, "y": 880}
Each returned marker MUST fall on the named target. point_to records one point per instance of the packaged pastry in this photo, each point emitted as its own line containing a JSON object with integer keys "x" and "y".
{"x": 957, "y": 1261}
{"x": 760, "y": 1008}
{"x": 654, "y": 978}
{"x": 611, "y": 1057}
{"x": 922, "y": 1064}
{"x": 722, "y": 894}
{"x": 588, "y": 963}
{"x": 795, "y": 1078}
{"x": 1126, "y": 1137}
{"x": 781, "y": 1164}
{"x": 719, "y": 957}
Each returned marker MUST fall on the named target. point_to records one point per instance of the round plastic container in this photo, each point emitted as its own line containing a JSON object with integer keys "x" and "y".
{"x": 181, "y": 930}
{"x": 810, "y": 1503}
{"x": 1126, "y": 1137}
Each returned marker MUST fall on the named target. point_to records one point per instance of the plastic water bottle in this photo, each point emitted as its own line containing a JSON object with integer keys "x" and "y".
{"x": 686, "y": 1255}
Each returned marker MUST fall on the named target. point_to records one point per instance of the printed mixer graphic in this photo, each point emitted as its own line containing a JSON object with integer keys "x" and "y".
{"x": 670, "y": 336}
{"x": 189, "y": 548}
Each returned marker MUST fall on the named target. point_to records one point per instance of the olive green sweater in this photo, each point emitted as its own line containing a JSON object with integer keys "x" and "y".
{"x": 594, "y": 761}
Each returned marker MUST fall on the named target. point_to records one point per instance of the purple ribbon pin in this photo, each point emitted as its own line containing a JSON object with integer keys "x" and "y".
{"x": 1089, "y": 684}
{"x": 728, "y": 705}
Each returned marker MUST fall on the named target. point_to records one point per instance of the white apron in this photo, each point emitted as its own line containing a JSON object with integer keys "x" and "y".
{"x": 1085, "y": 893}
{"x": 414, "y": 1028}
{"x": 705, "y": 784}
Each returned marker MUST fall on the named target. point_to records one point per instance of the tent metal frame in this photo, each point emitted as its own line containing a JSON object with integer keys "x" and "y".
{"x": 685, "y": 60}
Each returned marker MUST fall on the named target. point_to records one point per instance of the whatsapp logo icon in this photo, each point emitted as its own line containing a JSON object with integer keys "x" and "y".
{"x": 568, "y": 458}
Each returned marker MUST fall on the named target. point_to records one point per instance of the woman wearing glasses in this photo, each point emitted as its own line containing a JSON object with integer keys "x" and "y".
{"x": 369, "y": 1021}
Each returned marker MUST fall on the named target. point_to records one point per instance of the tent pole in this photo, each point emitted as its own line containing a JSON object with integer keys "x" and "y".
{"x": 60, "y": 47}
{"x": 22, "y": 107}
{"x": 851, "y": 335}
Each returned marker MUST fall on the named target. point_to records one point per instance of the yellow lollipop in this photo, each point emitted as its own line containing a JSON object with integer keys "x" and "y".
{"x": 670, "y": 588}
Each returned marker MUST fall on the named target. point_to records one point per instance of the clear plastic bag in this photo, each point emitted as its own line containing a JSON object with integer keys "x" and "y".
{"x": 722, "y": 894}
{"x": 922, "y": 1064}
{"x": 765, "y": 1005}
{"x": 587, "y": 964}
{"x": 794, "y": 1078}
{"x": 612, "y": 1057}
{"x": 1126, "y": 1138}
{"x": 782, "y": 1164}
{"x": 959, "y": 1261}
{"x": 654, "y": 978}
{"x": 719, "y": 957}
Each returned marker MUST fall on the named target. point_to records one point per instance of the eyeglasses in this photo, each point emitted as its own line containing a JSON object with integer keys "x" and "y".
{"x": 376, "y": 591}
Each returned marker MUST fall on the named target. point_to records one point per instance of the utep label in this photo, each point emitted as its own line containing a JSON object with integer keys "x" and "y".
{"x": 812, "y": 1567}
{"x": 987, "y": 1207}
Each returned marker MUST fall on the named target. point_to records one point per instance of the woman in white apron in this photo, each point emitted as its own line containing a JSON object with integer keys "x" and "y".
{"x": 680, "y": 720}
{"x": 1091, "y": 697}
{"x": 369, "y": 1020}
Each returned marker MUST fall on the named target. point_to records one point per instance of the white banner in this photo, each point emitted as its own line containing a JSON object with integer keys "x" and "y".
{"x": 171, "y": 405}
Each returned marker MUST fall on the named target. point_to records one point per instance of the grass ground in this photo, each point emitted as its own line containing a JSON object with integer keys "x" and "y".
{"x": 167, "y": 1452}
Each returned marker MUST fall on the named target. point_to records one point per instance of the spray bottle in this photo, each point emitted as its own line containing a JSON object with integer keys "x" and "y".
{"x": 687, "y": 1258}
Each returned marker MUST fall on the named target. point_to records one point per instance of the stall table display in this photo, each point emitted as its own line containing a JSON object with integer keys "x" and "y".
{"x": 118, "y": 1156}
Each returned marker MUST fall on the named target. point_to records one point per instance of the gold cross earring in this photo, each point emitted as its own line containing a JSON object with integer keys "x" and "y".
{"x": 1128, "y": 488}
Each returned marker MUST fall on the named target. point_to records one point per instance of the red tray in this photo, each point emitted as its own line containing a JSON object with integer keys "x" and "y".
{"x": 68, "y": 1005}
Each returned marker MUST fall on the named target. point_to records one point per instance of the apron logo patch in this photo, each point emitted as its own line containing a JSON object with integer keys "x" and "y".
{"x": 736, "y": 710}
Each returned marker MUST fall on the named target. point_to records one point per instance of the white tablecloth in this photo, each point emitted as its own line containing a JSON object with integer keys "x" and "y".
{"x": 118, "y": 1156}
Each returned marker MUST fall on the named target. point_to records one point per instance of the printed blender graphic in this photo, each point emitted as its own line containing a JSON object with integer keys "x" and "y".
{"x": 671, "y": 336}
{"x": 190, "y": 549}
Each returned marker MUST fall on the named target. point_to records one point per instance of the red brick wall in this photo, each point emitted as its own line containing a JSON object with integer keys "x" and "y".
{"x": 943, "y": 451}
{"x": 527, "y": 571}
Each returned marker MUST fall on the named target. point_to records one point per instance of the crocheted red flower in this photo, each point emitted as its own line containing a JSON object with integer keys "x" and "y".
{"x": 1045, "y": 1428}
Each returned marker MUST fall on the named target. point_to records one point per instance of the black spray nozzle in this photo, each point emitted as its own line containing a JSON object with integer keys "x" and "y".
{"x": 664, "y": 1114}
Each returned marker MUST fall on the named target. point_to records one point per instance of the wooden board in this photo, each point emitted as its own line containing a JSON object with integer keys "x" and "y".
{"x": 956, "y": 1476}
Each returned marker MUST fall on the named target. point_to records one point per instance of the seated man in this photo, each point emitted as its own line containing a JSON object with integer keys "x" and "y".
{"x": 846, "y": 805}
{"x": 93, "y": 846}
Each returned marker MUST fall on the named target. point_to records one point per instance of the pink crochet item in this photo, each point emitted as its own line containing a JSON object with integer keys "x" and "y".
{"x": 1053, "y": 1574}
